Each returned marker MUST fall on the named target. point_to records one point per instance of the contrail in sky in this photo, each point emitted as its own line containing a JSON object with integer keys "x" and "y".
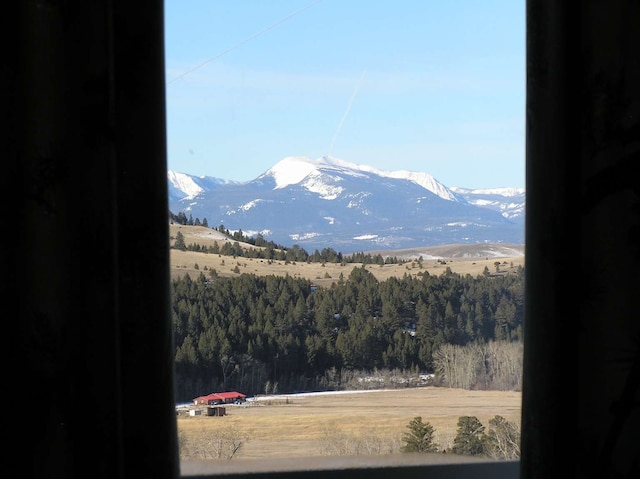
{"x": 248, "y": 39}
{"x": 346, "y": 113}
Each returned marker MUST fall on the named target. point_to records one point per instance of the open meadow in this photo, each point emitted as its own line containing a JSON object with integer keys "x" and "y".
{"x": 340, "y": 423}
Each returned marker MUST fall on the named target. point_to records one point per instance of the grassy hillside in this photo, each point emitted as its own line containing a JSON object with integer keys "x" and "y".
{"x": 462, "y": 259}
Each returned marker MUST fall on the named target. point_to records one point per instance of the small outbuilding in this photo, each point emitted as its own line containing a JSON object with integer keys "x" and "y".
{"x": 216, "y": 411}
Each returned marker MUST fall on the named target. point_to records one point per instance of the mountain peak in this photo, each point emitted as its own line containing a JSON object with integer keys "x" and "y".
{"x": 290, "y": 170}
{"x": 294, "y": 169}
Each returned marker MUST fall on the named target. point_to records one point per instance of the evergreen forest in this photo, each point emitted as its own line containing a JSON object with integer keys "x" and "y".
{"x": 267, "y": 334}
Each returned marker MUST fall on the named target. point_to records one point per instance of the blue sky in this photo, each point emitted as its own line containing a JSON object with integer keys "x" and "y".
{"x": 420, "y": 85}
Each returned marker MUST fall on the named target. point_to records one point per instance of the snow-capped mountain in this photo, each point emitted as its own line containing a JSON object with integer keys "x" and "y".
{"x": 328, "y": 202}
{"x": 183, "y": 186}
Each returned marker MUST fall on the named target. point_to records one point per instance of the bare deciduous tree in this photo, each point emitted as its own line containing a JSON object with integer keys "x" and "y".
{"x": 503, "y": 439}
{"x": 493, "y": 365}
{"x": 224, "y": 443}
{"x": 335, "y": 442}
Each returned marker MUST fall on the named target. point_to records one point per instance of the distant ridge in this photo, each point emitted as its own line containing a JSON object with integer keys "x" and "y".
{"x": 329, "y": 202}
{"x": 457, "y": 251}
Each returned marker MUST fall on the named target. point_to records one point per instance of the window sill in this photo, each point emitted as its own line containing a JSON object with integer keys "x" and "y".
{"x": 409, "y": 465}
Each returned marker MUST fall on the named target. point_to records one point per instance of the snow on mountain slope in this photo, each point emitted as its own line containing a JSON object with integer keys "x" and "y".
{"x": 328, "y": 202}
{"x": 185, "y": 184}
{"x": 294, "y": 169}
{"x": 510, "y": 202}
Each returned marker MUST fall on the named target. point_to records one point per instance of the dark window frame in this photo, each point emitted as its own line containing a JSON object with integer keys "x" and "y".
{"x": 83, "y": 86}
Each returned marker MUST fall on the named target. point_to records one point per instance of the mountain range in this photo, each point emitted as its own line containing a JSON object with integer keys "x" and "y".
{"x": 330, "y": 203}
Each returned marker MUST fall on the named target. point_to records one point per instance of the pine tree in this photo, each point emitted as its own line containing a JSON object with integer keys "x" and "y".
{"x": 179, "y": 243}
{"x": 420, "y": 437}
{"x": 470, "y": 439}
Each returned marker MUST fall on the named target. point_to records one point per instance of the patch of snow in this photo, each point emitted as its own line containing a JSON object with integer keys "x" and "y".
{"x": 316, "y": 184}
{"x": 458, "y": 223}
{"x": 365, "y": 237}
{"x": 298, "y": 237}
{"x": 490, "y": 191}
{"x": 185, "y": 184}
{"x": 319, "y": 393}
{"x": 250, "y": 204}
{"x": 291, "y": 170}
{"x": 425, "y": 180}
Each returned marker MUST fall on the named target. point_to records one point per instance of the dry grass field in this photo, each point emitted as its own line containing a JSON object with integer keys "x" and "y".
{"x": 460, "y": 258}
{"x": 354, "y": 423}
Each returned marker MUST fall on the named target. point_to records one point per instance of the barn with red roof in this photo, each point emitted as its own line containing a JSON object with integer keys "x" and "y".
{"x": 220, "y": 398}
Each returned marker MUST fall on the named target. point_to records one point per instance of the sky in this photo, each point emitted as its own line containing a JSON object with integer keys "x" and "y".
{"x": 433, "y": 86}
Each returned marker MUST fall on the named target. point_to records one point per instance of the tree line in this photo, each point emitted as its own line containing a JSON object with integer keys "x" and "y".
{"x": 268, "y": 249}
{"x": 501, "y": 441}
{"x": 254, "y": 333}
